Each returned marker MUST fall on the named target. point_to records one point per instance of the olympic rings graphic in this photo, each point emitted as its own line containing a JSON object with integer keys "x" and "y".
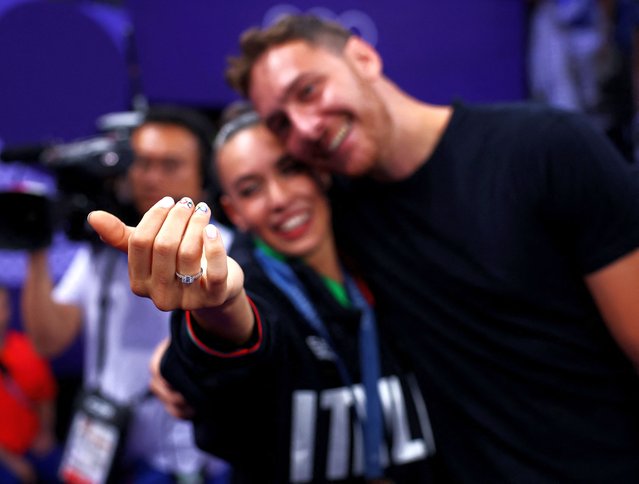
{"x": 356, "y": 21}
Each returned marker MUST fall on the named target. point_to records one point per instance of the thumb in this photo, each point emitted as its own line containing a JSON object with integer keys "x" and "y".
{"x": 110, "y": 229}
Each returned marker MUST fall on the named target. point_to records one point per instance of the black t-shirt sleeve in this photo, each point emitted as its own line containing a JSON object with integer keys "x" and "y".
{"x": 199, "y": 369}
{"x": 591, "y": 191}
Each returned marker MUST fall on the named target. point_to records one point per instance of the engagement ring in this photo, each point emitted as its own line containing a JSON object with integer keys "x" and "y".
{"x": 189, "y": 279}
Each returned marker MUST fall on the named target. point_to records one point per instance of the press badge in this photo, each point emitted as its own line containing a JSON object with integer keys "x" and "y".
{"x": 96, "y": 434}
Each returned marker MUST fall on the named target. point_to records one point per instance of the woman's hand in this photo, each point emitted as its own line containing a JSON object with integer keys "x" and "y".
{"x": 175, "y": 239}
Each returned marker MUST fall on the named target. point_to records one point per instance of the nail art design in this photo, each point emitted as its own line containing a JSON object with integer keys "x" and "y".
{"x": 186, "y": 201}
{"x": 202, "y": 207}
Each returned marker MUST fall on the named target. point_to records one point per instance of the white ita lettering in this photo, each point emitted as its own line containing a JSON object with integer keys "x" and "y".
{"x": 338, "y": 403}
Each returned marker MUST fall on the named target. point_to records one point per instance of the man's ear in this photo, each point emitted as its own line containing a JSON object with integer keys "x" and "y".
{"x": 364, "y": 57}
{"x": 230, "y": 212}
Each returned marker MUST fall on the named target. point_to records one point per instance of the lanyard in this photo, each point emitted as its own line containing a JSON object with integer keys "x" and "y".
{"x": 283, "y": 276}
{"x": 104, "y": 305}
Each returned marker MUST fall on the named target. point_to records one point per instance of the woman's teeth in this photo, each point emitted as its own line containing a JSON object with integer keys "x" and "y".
{"x": 294, "y": 222}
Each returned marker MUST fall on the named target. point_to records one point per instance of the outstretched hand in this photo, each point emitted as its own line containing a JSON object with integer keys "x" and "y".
{"x": 177, "y": 238}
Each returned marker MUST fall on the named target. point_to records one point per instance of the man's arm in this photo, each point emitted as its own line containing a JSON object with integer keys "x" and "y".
{"x": 52, "y": 327}
{"x": 173, "y": 401}
{"x": 615, "y": 289}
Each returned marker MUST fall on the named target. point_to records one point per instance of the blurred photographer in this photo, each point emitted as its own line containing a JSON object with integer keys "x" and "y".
{"x": 171, "y": 150}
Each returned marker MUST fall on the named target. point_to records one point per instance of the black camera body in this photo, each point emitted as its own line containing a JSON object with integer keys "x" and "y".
{"x": 87, "y": 172}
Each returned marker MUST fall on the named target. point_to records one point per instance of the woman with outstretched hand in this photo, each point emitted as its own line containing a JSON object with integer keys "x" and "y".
{"x": 275, "y": 348}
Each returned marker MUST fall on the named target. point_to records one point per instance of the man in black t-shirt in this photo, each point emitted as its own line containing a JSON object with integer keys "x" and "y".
{"x": 503, "y": 239}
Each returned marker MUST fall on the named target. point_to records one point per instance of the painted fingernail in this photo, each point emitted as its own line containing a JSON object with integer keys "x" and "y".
{"x": 187, "y": 202}
{"x": 166, "y": 202}
{"x": 202, "y": 207}
{"x": 211, "y": 231}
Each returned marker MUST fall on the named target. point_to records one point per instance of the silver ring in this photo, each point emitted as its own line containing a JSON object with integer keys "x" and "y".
{"x": 186, "y": 279}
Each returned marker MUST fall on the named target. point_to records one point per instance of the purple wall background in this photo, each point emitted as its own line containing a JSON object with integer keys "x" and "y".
{"x": 64, "y": 63}
{"x": 436, "y": 49}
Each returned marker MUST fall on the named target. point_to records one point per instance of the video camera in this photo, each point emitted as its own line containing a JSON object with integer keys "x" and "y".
{"x": 87, "y": 172}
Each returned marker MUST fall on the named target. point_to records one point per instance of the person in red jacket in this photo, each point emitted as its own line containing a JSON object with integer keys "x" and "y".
{"x": 28, "y": 447}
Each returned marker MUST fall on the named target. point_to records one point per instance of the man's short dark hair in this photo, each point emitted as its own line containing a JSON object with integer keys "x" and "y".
{"x": 255, "y": 41}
